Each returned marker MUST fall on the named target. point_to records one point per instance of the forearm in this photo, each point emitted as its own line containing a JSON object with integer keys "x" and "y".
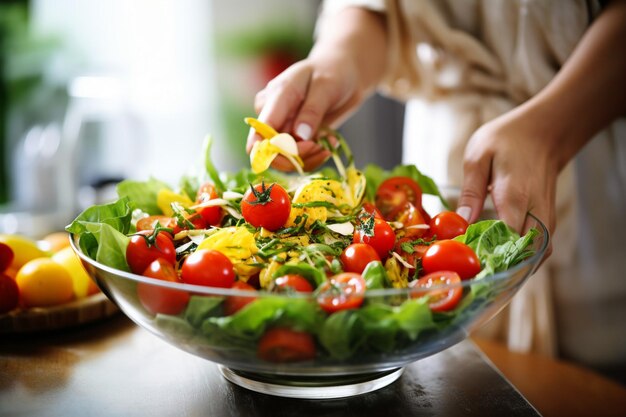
{"x": 589, "y": 92}
{"x": 359, "y": 35}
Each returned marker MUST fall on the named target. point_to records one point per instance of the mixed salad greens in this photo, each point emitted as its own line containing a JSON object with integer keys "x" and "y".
{"x": 325, "y": 239}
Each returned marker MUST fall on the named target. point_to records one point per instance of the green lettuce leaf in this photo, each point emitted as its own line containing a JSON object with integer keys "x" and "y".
{"x": 143, "y": 194}
{"x": 497, "y": 245}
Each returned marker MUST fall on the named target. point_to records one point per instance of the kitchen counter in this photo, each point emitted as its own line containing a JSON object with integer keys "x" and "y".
{"x": 114, "y": 368}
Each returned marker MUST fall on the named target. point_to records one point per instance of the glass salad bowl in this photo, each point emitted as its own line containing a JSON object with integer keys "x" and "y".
{"x": 351, "y": 352}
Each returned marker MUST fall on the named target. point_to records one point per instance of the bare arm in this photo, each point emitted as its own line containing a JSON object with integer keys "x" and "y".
{"x": 344, "y": 66}
{"x": 520, "y": 154}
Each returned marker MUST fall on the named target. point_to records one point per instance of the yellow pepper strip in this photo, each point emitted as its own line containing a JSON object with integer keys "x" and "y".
{"x": 265, "y": 151}
{"x": 265, "y": 130}
{"x": 166, "y": 197}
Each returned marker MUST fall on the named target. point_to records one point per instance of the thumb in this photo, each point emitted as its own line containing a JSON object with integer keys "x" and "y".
{"x": 474, "y": 189}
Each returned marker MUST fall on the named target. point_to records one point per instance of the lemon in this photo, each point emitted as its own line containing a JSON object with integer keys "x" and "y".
{"x": 25, "y": 249}
{"x": 54, "y": 242}
{"x": 82, "y": 283}
{"x": 43, "y": 282}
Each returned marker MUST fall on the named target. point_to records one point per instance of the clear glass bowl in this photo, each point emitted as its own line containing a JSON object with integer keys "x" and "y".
{"x": 325, "y": 376}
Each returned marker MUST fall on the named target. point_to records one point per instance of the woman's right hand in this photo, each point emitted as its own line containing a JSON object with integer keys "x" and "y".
{"x": 322, "y": 90}
{"x": 319, "y": 91}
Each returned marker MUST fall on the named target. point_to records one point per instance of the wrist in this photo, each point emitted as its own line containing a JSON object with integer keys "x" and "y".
{"x": 552, "y": 128}
{"x": 356, "y": 38}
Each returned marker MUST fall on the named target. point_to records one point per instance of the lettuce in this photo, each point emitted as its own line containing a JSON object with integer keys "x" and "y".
{"x": 497, "y": 246}
{"x": 102, "y": 230}
{"x": 143, "y": 194}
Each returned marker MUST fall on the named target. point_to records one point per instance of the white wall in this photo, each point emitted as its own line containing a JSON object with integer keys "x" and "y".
{"x": 162, "y": 51}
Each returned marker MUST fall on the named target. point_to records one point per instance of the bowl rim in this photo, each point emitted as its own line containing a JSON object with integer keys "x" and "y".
{"x": 535, "y": 259}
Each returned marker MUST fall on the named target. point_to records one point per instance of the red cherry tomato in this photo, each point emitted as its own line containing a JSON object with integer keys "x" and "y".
{"x": 209, "y": 268}
{"x": 6, "y": 256}
{"x": 188, "y": 221}
{"x": 382, "y": 239}
{"x": 234, "y": 303}
{"x": 281, "y": 344}
{"x": 343, "y": 291}
{"x": 372, "y": 209}
{"x": 9, "y": 293}
{"x": 410, "y": 251}
{"x": 292, "y": 282}
{"x": 150, "y": 222}
{"x": 211, "y": 215}
{"x": 266, "y": 206}
{"x": 144, "y": 248}
{"x": 450, "y": 255}
{"x": 356, "y": 256}
{"x": 161, "y": 300}
{"x": 440, "y": 299}
{"x": 413, "y": 223}
{"x": 393, "y": 193}
{"x": 447, "y": 225}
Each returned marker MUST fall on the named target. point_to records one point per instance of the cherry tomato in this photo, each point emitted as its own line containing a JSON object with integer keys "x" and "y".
{"x": 211, "y": 215}
{"x": 6, "y": 256}
{"x": 209, "y": 268}
{"x": 440, "y": 299}
{"x": 9, "y": 293}
{"x": 413, "y": 223}
{"x": 150, "y": 222}
{"x": 158, "y": 299}
{"x": 266, "y": 206}
{"x": 372, "y": 209}
{"x": 234, "y": 303}
{"x": 281, "y": 344}
{"x": 411, "y": 252}
{"x": 144, "y": 248}
{"x": 382, "y": 239}
{"x": 343, "y": 291}
{"x": 189, "y": 221}
{"x": 450, "y": 255}
{"x": 447, "y": 225}
{"x": 356, "y": 256}
{"x": 393, "y": 193}
{"x": 292, "y": 282}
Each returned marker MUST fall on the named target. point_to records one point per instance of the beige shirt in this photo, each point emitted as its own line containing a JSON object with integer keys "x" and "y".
{"x": 459, "y": 64}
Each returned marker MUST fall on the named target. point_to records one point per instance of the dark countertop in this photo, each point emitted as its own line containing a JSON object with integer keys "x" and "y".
{"x": 113, "y": 368}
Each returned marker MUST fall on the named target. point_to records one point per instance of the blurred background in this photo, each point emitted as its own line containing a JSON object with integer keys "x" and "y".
{"x": 94, "y": 92}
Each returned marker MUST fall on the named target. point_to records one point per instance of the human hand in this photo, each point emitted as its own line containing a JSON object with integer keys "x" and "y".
{"x": 517, "y": 162}
{"x": 346, "y": 63}
{"x": 319, "y": 91}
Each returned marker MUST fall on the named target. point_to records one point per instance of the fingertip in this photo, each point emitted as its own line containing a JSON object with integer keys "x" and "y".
{"x": 252, "y": 138}
{"x": 471, "y": 201}
{"x": 465, "y": 212}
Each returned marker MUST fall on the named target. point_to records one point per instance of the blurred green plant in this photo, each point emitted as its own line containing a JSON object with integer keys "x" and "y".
{"x": 23, "y": 57}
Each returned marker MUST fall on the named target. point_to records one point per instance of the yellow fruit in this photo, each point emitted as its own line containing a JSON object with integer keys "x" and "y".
{"x": 166, "y": 197}
{"x": 54, "y": 242}
{"x": 25, "y": 249}
{"x": 43, "y": 282}
{"x": 82, "y": 283}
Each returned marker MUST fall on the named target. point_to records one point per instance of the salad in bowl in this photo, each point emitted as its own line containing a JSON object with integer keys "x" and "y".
{"x": 311, "y": 285}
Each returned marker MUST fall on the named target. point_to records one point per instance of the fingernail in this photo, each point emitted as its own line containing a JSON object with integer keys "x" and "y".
{"x": 304, "y": 131}
{"x": 465, "y": 212}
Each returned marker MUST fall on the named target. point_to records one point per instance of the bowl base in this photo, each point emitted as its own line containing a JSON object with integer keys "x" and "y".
{"x": 311, "y": 388}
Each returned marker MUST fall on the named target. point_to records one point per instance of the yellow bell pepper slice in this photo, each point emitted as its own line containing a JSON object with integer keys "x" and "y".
{"x": 266, "y": 131}
{"x": 166, "y": 197}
